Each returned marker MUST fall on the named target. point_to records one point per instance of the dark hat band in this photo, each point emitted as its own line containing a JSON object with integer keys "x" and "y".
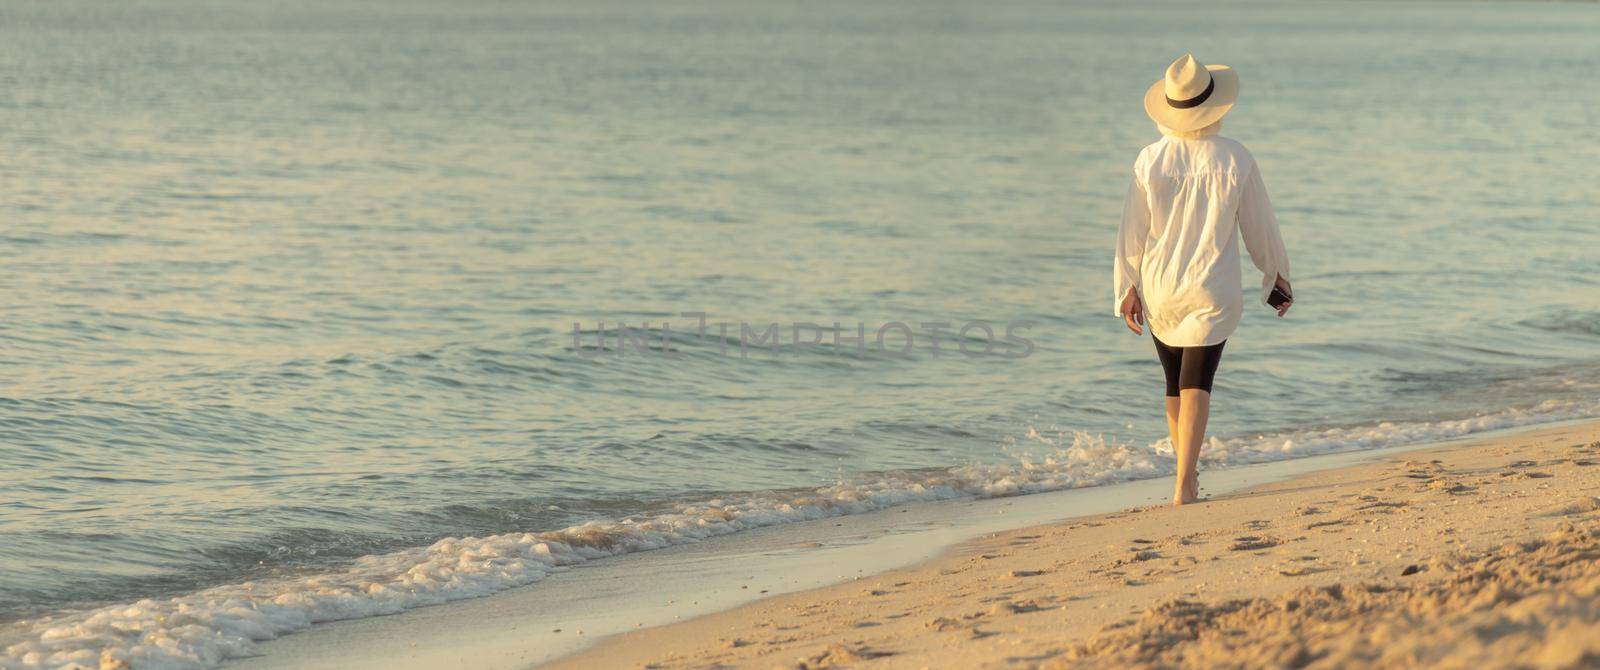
{"x": 1196, "y": 100}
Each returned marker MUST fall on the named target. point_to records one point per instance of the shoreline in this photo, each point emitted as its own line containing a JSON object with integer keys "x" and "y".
{"x": 591, "y": 603}
{"x": 1070, "y": 593}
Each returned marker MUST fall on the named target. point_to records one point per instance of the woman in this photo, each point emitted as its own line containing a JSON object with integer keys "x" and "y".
{"x": 1177, "y": 265}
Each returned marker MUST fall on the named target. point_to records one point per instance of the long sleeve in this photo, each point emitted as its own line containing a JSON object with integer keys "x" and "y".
{"x": 1259, "y": 228}
{"x": 1131, "y": 236}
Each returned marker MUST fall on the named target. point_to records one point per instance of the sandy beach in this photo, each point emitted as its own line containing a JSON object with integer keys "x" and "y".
{"x": 1477, "y": 554}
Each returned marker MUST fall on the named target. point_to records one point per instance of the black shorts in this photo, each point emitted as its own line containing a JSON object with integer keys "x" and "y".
{"x": 1188, "y": 367}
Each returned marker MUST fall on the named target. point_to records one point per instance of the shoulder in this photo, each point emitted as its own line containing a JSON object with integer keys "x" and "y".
{"x": 1236, "y": 152}
{"x": 1147, "y": 155}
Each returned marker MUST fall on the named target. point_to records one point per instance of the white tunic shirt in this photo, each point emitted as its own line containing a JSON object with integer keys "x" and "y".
{"x": 1193, "y": 197}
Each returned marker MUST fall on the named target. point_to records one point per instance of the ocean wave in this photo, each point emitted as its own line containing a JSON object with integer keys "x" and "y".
{"x": 1567, "y": 321}
{"x": 201, "y": 630}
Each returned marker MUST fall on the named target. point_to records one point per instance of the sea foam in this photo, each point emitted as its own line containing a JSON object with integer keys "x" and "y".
{"x": 201, "y": 630}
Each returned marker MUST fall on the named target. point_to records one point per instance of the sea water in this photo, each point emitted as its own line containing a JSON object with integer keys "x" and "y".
{"x": 310, "y": 308}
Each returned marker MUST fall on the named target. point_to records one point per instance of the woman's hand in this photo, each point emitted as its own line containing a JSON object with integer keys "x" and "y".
{"x": 1283, "y": 285}
{"x": 1133, "y": 313}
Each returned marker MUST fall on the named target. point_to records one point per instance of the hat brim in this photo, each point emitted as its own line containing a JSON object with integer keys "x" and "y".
{"x": 1199, "y": 116}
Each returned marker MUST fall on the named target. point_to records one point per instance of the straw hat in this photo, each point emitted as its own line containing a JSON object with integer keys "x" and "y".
{"x": 1192, "y": 96}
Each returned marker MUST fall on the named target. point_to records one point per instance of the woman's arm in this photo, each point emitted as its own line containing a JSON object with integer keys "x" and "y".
{"x": 1131, "y": 237}
{"x": 1259, "y": 228}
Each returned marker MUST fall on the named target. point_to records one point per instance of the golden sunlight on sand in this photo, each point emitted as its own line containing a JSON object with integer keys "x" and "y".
{"x": 1479, "y": 554}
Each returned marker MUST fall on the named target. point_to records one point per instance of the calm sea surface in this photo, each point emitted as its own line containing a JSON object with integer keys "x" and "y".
{"x": 289, "y": 289}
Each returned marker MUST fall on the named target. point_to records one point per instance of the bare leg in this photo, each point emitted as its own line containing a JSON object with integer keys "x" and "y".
{"x": 1194, "y": 408}
{"x": 1172, "y": 431}
{"x": 1172, "y": 419}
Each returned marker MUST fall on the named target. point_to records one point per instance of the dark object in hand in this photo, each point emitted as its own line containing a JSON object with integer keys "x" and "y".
{"x": 1277, "y": 298}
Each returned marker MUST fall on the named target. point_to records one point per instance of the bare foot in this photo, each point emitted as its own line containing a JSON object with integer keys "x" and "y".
{"x": 1187, "y": 492}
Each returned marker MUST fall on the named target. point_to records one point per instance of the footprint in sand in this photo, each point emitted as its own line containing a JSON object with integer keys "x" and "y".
{"x": 1579, "y": 507}
{"x": 1015, "y": 607}
{"x": 1253, "y": 542}
{"x": 1380, "y": 506}
{"x": 1447, "y": 486}
{"x": 840, "y": 655}
{"x": 1139, "y": 555}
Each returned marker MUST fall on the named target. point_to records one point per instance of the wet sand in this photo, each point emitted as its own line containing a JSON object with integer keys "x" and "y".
{"x": 1482, "y": 553}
